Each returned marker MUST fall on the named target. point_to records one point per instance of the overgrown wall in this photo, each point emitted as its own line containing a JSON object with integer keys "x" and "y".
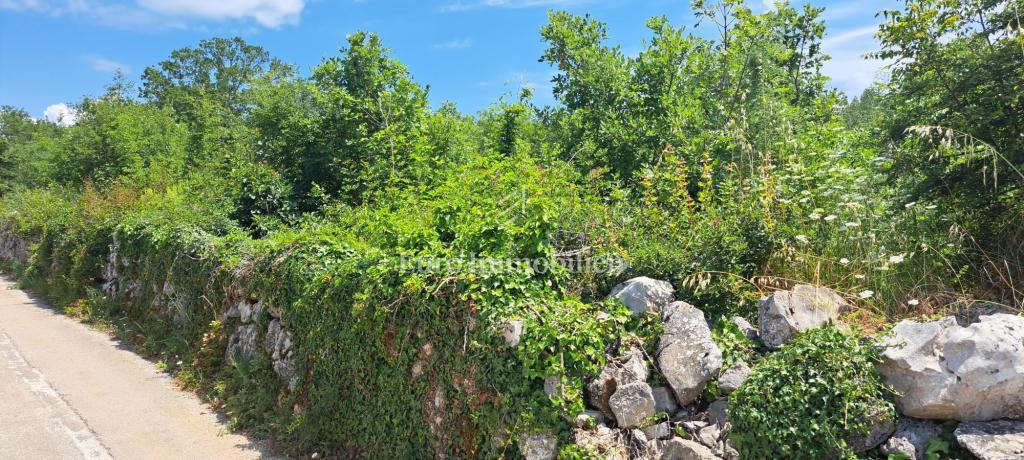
{"x": 321, "y": 343}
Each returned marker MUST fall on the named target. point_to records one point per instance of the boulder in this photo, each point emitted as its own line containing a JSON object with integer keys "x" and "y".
{"x": 880, "y": 427}
{"x": 282, "y": 356}
{"x": 608, "y": 443}
{"x": 589, "y": 419}
{"x": 632, "y": 404}
{"x": 242, "y": 343}
{"x": 785, "y": 313}
{"x": 997, "y": 440}
{"x": 628, "y": 369}
{"x": 733, "y": 377}
{"x": 683, "y": 449}
{"x": 540, "y": 446}
{"x": 911, "y": 439}
{"x": 664, "y": 400}
{"x": 718, "y": 412}
{"x": 746, "y": 328}
{"x": 687, "y": 356}
{"x": 644, "y": 294}
{"x": 941, "y": 370}
{"x": 661, "y": 430}
{"x": 511, "y": 332}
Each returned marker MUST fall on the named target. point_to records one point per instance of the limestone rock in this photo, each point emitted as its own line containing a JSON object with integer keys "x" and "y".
{"x": 282, "y": 357}
{"x": 608, "y": 443}
{"x": 687, "y": 356}
{"x": 733, "y": 377}
{"x": 880, "y": 427}
{"x": 588, "y": 419}
{"x": 682, "y": 449}
{"x": 630, "y": 368}
{"x": 541, "y": 446}
{"x": 718, "y": 412}
{"x": 553, "y": 386}
{"x": 644, "y": 294}
{"x": 632, "y": 404}
{"x": 940, "y": 370}
{"x": 746, "y": 328}
{"x": 911, "y": 439}
{"x": 998, "y": 440}
{"x": 661, "y": 430}
{"x": 785, "y": 313}
{"x": 664, "y": 400}
{"x": 512, "y": 332}
{"x": 242, "y": 343}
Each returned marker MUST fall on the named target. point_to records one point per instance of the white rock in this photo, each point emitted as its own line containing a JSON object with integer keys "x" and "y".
{"x": 785, "y": 313}
{"x": 940, "y": 370}
{"x": 682, "y": 449}
{"x": 541, "y": 446}
{"x": 746, "y": 328}
{"x": 998, "y": 440}
{"x": 687, "y": 356}
{"x": 644, "y": 294}
{"x": 658, "y": 431}
{"x": 632, "y": 404}
{"x": 512, "y": 332}
{"x": 664, "y": 400}
{"x": 911, "y": 439}
{"x": 733, "y": 377}
{"x": 608, "y": 443}
{"x": 617, "y": 372}
{"x": 718, "y": 412}
{"x": 880, "y": 427}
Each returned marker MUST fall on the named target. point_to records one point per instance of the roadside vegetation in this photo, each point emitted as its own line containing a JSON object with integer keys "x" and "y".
{"x": 724, "y": 166}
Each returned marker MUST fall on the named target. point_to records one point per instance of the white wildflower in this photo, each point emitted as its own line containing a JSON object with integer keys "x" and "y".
{"x": 931, "y": 206}
{"x": 844, "y": 261}
{"x": 910, "y": 205}
{"x": 866, "y": 294}
{"x": 898, "y": 258}
{"x": 802, "y": 238}
{"x": 859, "y": 276}
{"x": 815, "y": 216}
{"x": 852, "y": 224}
{"x": 831, "y": 217}
{"x": 913, "y": 302}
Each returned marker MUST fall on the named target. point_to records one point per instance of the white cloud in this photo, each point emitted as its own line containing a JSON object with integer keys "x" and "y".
{"x": 454, "y": 44}
{"x": 60, "y": 114}
{"x": 270, "y": 13}
{"x": 106, "y": 65}
{"x": 476, "y": 4}
{"x": 164, "y": 14}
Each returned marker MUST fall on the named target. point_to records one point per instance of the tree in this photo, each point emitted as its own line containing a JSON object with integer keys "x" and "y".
{"x": 957, "y": 108}
{"x": 16, "y": 128}
{"x": 206, "y": 87}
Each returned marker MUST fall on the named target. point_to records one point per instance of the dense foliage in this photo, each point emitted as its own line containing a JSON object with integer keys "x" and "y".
{"x": 809, "y": 399}
{"x": 723, "y": 165}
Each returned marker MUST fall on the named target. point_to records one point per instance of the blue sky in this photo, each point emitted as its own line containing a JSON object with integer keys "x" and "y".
{"x": 470, "y": 52}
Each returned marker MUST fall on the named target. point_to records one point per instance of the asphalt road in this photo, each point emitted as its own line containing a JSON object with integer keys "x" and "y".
{"x": 69, "y": 392}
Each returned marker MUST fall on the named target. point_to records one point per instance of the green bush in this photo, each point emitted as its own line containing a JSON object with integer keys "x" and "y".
{"x": 808, "y": 399}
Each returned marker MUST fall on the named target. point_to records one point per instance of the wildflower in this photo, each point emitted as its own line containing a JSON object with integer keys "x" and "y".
{"x": 913, "y": 302}
{"x": 831, "y": 217}
{"x": 844, "y": 261}
{"x": 859, "y": 276}
{"x": 852, "y": 224}
{"x": 805, "y": 199}
{"x": 910, "y": 205}
{"x": 815, "y": 216}
{"x": 802, "y": 238}
{"x": 931, "y": 206}
{"x": 866, "y": 294}
{"x": 898, "y": 258}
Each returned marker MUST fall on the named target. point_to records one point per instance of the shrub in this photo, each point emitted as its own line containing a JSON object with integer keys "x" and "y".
{"x": 808, "y": 399}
